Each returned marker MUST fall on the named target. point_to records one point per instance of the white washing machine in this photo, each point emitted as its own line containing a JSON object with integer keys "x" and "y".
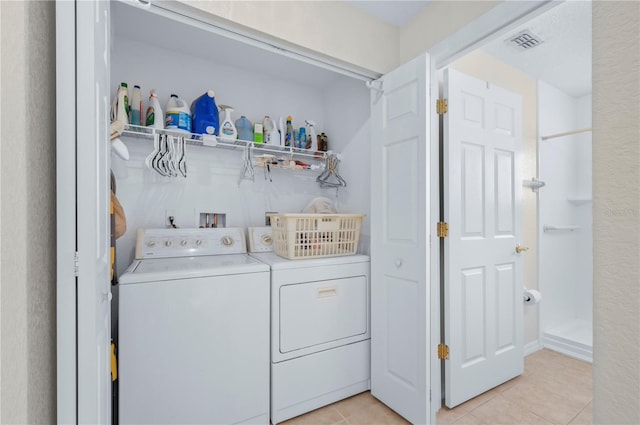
{"x": 320, "y": 331}
{"x": 193, "y": 330}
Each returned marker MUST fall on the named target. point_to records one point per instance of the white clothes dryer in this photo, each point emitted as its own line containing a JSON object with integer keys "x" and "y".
{"x": 320, "y": 331}
{"x": 193, "y": 330}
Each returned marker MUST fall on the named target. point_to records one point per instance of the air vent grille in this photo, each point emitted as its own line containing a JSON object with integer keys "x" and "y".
{"x": 525, "y": 40}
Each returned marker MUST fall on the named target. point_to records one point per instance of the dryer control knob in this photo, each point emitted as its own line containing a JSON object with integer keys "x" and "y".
{"x": 183, "y": 242}
{"x": 227, "y": 241}
{"x": 151, "y": 244}
{"x": 167, "y": 243}
{"x": 198, "y": 242}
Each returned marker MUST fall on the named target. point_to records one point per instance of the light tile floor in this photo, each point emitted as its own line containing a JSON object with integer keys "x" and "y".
{"x": 554, "y": 389}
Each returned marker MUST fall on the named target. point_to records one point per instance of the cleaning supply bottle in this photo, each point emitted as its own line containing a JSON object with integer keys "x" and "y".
{"x": 258, "y": 133}
{"x": 227, "y": 128}
{"x": 288, "y": 135}
{"x": 274, "y": 137}
{"x": 136, "y": 106}
{"x": 154, "y": 112}
{"x": 245, "y": 128}
{"x": 312, "y": 142}
{"x": 323, "y": 143}
{"x": 302, "y": 138}
{"x": 270, "y": 131}
{"x": 122, "y": 104}
{"x": 281, "y": 130}
{"x": 204, "y": 113}
{"x": 266, "y": 126}
{"x": 178, "y": 115}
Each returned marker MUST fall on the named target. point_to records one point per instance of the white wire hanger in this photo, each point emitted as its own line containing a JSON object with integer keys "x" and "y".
{"x": 330, "y": 177}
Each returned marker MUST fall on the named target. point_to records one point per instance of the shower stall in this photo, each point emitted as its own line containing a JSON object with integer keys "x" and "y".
{"x": 565, "y": 222}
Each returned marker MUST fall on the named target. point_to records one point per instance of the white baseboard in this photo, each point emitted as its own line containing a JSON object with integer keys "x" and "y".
{"x": 569, "y": 348}
{"x": 532, "y": 347}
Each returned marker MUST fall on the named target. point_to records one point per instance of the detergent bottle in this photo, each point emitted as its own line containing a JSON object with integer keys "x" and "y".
{"x": 270, "y": 130}
{"x": 178, "y": 115}
{"x": 205, "y": 117}
{"x": 120, "y": 106}
{"x": 245, "y": 128}
{"x": 136, "y": 106}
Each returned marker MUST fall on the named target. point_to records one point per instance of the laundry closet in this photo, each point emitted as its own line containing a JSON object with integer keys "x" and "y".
{"x": 227, "y": 189}
{"x": 382, "y": 129}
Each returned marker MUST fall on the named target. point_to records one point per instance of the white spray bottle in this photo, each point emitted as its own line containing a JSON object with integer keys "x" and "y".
{"x": 228, "y": 129}
{"x": 154, "y": 117}
{"x": 312, "y": 138}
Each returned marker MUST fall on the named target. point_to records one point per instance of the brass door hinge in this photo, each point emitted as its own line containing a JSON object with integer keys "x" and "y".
{"x": 443, "y": 351}
{"x": 442, "y": 106}
{"x": 443, "y": 229}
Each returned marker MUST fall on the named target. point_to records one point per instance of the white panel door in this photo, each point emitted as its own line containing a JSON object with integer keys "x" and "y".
{"x": 88, "y": 144}
{"x": 483, "y": 308}
{"x": 400, "y": 321}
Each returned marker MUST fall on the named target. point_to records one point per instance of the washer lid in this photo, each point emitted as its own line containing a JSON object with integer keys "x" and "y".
{"x": 189, "y": 267}
{"x": 279, "y": 263}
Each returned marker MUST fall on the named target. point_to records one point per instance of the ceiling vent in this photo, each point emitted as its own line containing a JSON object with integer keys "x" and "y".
{"x": 525, "y": 40}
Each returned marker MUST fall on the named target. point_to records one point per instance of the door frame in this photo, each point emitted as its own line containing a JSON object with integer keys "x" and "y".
{"x": 499, "y": 20}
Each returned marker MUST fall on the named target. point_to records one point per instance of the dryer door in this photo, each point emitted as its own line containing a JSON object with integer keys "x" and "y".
{"x": 317, "y": 313}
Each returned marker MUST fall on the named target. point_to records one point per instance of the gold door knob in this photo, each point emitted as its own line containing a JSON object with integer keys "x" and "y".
{"x": 520, "y": 249}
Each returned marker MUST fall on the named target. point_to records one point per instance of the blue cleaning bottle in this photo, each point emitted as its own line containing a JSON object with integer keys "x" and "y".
{"x": 302, "y": 138}
{"x": 204, "y": 111}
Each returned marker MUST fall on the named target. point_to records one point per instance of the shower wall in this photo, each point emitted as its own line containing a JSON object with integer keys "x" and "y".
{"x": 565, "y": 256}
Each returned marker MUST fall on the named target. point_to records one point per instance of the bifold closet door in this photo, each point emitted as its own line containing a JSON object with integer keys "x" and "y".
{"x": 400, "y": 317}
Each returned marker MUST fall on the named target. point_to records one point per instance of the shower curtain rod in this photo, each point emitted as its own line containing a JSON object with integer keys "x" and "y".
{"x": 568, "y": 133}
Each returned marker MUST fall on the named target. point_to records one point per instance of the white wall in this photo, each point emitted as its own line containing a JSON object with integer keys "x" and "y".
{"x": 27, "y": 212}
{"x": 616, "y": 211}
{"x": 565, "y": 167}
{"x": 332, "y": 28}
{"x": 340, "y": 110}
{"x": 436, "y": 22}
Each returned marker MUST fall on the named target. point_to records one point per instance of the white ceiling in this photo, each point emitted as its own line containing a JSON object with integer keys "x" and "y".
{"x": 394, "y": 12}
{"x": 564, "y": 58}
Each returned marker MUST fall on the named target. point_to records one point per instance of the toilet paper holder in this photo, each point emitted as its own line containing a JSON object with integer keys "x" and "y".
{"x": 531, "y": 296}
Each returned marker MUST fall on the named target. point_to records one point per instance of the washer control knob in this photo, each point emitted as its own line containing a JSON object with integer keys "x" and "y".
{"x": 183, "y": 242}
{"x": 198, "y": 242}
{"x": 227, "y": 241}
{"x": 168, "y": 243}
{"x": 151, "y": 244}
{"x": 266, "y": 240}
